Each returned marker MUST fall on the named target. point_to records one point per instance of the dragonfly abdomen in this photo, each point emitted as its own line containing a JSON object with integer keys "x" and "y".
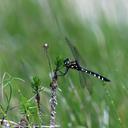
{"x": 95, "y": 75}
{"x": 75, "y": 65}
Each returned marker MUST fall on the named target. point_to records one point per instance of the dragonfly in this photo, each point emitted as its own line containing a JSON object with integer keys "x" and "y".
{"x": 73, "y": 64}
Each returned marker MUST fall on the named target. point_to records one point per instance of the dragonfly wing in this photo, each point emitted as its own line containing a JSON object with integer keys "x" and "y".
{"x": 75, "y": 52}
{"x": 84, "y": 82}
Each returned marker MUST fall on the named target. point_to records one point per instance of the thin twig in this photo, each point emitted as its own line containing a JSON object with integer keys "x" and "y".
{"x": 53, "y": 86}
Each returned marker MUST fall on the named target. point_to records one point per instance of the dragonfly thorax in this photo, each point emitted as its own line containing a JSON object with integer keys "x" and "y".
{"x": 71, "y": 64}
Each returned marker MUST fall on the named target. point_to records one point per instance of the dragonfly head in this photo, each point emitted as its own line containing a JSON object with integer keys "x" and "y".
{"x": 67, "y": 62}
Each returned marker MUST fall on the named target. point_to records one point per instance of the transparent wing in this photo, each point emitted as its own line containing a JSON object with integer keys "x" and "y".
{"x": 75, "y": 52}
{"x": 83, "y": 81}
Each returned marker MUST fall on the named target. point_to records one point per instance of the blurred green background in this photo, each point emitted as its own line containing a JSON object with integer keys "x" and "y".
{"x": 100, "y": 34}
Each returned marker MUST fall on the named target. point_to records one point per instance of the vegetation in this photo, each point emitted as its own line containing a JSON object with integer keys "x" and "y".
{"x": 25, "y": 27}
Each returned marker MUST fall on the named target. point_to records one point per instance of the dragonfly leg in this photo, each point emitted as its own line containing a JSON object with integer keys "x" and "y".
{"x": 63, "y": 73}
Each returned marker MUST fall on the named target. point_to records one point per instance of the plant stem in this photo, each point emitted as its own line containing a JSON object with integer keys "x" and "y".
{"x": 53, "y": 100}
